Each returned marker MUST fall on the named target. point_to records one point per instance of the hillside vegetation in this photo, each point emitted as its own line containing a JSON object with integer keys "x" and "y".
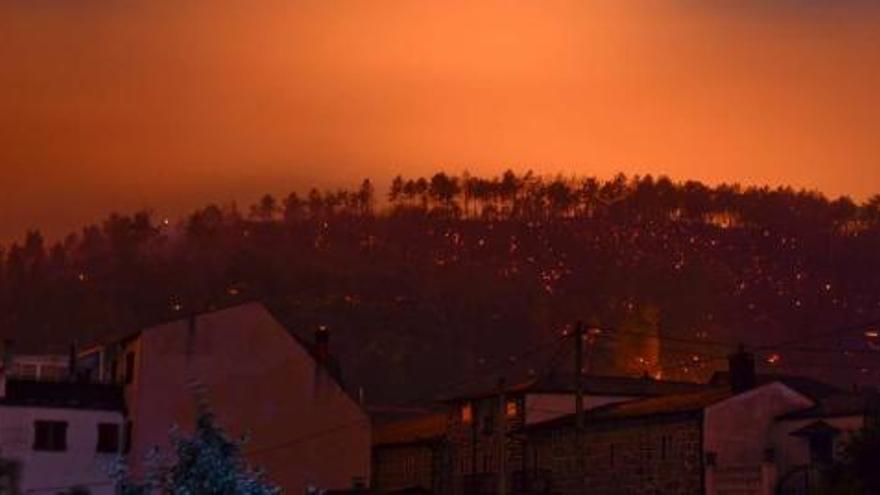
{"x": 442, "y": 276}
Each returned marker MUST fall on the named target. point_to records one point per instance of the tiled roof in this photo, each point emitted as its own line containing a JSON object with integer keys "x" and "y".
{"x": 623, "y": 386}
{"x": 665, "y": 404}
{"x": 64, "y": 395}
{"x": 810, "y": 387}
{"x": 816, "y": 428}
{"x": 422, "y": 428}
{"x": 841, "y": 404}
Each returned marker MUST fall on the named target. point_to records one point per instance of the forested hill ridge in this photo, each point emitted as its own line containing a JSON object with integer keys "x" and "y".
{"x": 454, "y": 273}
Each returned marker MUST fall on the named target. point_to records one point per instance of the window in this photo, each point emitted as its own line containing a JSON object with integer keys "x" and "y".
{"x": 467, "y": 413}
{"x": 611, "y": 455}
{"x": 108, "y": 438}
{"x": 822, "y": 449}
{"x": 50, "y": 436}
{"x": 664, "y": 447}
{"x": 512, "y": 409}
{"x": 129, "y": 368}
{"x": 126, "y": 444}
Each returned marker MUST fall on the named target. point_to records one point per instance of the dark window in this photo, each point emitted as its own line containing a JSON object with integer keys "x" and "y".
{"x": 108, "y": 437}
{"x": 129, "y": 368}
{"x": 822, "y": 449}
{"x": 611, "y": 455}
{"x": 50, "y": 436}
{"x": 664, "y": 446}
{"x": 126, "y": 444}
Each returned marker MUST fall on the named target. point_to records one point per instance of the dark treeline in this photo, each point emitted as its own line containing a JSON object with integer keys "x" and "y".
{"x": 451, "y": 273}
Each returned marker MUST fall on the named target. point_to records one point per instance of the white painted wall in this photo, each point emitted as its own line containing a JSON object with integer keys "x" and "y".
{"x": 739, "y": 429}
{"x": 53, "y": 472}
{"x": 544, "y": 407}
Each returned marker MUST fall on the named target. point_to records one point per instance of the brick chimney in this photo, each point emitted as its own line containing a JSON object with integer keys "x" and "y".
{"x": 742, "y": 370}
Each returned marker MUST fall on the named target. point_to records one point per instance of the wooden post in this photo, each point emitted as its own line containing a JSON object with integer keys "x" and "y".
{"x": 578, "y": 376}
{"x": 502, "y": 438}
{"x": 579, "y": 397}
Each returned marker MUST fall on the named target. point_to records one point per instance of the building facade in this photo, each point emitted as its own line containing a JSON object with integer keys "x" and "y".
{"x": 488, "y": 430}
{"x": 59, "y": 437}
{"x": 411, "y": 455}
{"x": 642, "y": 455}
{"x": 261, "y": 383}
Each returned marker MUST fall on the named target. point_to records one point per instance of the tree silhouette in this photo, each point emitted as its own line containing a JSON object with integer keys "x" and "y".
{"x": 207, "y": 462}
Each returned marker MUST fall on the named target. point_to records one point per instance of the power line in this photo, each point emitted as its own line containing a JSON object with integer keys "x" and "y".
{"x": 615, "y": 334}
{"x": 311, "y": 436}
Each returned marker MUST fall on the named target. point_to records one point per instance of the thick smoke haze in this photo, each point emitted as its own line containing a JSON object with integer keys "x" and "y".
{"x": 117, "y": 105}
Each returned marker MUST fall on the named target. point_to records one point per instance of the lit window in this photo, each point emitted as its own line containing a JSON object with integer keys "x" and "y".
{"x": 467, "y": 413}
{"x": 512, "y": 409}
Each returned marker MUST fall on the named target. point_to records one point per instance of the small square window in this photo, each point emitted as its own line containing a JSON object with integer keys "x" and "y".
{"x": 50, "y": 436}
{"x": 126, "y": 443}
{"x": 108, "y": 438}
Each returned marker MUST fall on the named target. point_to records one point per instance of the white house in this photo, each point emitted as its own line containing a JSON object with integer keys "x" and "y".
{"x": 58, "y": 437}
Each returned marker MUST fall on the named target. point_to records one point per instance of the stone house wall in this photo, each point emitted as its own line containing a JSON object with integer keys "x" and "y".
{"x": 653, "y": 455}
{"x": 405, "y": 466}
{"x": 475, "y": 445}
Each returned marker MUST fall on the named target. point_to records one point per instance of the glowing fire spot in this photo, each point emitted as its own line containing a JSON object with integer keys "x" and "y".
{"x": 774, "y": 359}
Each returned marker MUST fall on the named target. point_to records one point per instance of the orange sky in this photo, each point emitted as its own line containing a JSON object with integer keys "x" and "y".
{"x": 116, "y": 105}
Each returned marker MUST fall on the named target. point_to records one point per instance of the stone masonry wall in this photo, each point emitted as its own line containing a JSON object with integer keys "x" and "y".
{"x": 659, "y": 455}
{"x": 396, "y": 467}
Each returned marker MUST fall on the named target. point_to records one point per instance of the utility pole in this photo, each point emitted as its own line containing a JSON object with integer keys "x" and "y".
{"x": 502, "y": 438}
{"x": 579, "y": 397}
{"x": 578, "y": 376}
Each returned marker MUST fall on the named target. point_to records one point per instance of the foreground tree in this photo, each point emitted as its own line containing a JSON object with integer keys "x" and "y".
{"x": 206, "y": 463}
{"x": 856, "y": 472}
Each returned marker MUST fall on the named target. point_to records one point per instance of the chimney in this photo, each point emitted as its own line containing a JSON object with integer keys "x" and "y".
{"x": 322, "y": 345}
{"x": 742, "y": 370}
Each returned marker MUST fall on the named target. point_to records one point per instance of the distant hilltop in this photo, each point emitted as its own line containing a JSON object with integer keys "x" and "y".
{"x": 440, "y": 277}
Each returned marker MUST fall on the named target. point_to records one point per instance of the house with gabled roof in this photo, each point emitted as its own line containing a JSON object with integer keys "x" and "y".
{"x": 744, "y": 433}
{"x": 262, "y": 383}
{"x": 58, "y": 436}
{"x": 466, "y": 455}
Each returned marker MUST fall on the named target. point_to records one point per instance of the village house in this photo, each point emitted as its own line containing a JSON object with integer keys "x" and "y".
{"x": 260, "y": 380}
{"x": 746, "y": 434}
{"x": 468, "y": 450}
{"x": 741, "y": 432}
{"x": 58, "y": 437}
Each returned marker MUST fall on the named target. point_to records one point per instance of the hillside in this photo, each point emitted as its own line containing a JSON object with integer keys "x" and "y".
{"x": 454, "y": 274}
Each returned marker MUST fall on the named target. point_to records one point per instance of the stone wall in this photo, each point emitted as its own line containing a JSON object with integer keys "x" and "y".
{"x": 654, "y": 455}
{"x": 475, "y": 443}
{"x": 398, "y": 467}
